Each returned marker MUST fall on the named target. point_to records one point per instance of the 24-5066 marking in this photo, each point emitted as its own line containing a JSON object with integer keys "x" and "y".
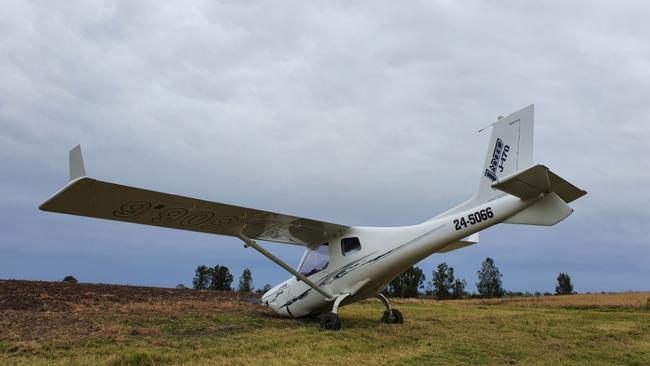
{"x": 473, "y": 218}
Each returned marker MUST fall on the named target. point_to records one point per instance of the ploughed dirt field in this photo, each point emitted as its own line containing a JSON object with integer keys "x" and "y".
{"x": 54, "y": 323}
{"x": 33, "y": 311}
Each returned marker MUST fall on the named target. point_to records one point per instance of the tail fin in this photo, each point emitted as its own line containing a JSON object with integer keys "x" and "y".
{"x": 508, "y": 169}
{"x": 510, "y": 150}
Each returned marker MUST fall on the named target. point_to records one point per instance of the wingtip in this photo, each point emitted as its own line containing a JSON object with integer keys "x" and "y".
{"x": 77, "y": 168}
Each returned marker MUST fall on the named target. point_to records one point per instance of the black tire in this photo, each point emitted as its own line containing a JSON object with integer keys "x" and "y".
{"x": 395, "y": 317}
{"x": 330, "y": 321}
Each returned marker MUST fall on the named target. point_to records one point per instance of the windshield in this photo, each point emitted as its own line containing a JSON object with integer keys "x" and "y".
{"x": 315, "y": 260}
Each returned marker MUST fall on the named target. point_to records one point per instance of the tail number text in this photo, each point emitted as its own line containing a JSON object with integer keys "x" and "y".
{"x": 473, "y": 218}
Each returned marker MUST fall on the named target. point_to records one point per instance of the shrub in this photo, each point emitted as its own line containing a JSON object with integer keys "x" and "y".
{"x": 70, "y": 279}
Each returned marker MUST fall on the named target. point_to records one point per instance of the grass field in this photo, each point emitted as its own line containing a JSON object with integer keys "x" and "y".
{"x": 47, "y": 323}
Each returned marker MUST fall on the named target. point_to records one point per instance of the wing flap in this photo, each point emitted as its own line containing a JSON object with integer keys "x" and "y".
{"x": 86, "y": 196}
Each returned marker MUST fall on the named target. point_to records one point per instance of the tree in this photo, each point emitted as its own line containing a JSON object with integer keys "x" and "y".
{"x": 264, "y": 289}
{"x": 70, "y": 279}
{"x": 443, "y": 278}
{"x": 489, "y": 280}
{"x": 220, "y": 279}
{"x": 406, "y": 284}
{"x": 564, "y": 286}
{"x": 245, "y": 281}
{"x": 201, "y": 279}
{"x": 458, "y": 289}
{"x": 444, "y": 285}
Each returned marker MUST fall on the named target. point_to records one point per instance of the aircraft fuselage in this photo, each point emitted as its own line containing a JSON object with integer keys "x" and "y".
{"x": 385, "y": 253}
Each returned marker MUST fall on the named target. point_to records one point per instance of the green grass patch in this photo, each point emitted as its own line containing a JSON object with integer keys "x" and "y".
{"x": 442, "y": 333}
{"x": 137, "y": 358}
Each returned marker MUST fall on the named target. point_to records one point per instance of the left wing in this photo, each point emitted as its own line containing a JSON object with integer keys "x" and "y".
{"x": 86, "y": 196}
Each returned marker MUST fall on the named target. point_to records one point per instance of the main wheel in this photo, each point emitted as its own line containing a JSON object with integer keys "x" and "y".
{"x": 330, "y": 321}
{"x": 395, "y": 317}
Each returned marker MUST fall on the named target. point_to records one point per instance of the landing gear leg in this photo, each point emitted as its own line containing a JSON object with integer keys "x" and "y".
{"x": 391, "y": 316}
{"x": 331, "y": 320}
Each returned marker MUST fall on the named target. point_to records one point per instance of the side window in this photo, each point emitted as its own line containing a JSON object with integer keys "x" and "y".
{"x": 350, "y": 245}
{"x": 315, "y": 260}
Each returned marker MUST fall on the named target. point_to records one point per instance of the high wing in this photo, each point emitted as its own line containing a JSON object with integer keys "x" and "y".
{"x": 86, "y": 196}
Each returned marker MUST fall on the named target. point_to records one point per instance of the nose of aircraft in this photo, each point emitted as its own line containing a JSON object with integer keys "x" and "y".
{"x": 276, "y": 297}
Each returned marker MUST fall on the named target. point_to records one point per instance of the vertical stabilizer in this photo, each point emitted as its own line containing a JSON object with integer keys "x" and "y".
{"x": 510, "y": 150}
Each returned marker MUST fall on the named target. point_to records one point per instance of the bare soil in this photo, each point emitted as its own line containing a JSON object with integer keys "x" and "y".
{"x": 38, "y": 310}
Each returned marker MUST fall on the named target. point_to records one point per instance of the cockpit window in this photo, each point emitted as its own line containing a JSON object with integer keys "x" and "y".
{"x": 315, "y": 260}
{"x": 350, "y": 245}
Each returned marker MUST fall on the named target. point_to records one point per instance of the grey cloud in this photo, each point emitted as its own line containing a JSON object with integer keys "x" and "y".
{"x": 361, "y": 113}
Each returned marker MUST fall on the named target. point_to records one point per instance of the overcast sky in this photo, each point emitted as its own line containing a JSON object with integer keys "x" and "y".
{"x": 359, "y": 113}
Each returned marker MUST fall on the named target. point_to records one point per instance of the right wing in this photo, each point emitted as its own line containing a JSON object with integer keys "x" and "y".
{"x": 86, "y": 196}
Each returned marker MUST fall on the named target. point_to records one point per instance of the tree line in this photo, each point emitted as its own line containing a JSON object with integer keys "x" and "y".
{"x": 219, "y": 278}
{"x": 411, "y": 283}
{"x": 444, "y": 284}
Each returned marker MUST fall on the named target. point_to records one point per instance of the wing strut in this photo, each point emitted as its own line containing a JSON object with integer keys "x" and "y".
{"x": 251, "y": 243}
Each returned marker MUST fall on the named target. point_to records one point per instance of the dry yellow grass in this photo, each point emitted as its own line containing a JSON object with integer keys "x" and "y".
{"x": 623, "y": 299}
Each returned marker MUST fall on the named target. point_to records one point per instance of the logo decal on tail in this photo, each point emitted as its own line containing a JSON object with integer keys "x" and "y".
{"x": 499, "y": 157}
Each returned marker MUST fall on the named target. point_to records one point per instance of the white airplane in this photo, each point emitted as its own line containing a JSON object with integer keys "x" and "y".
{"x": 343, "y": 264}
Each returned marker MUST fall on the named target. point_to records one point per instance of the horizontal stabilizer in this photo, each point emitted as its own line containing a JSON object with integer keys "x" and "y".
{"x": 546, "y": 212}
{"x": 535, "y": 181}
{"x": 470, "y": 240}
